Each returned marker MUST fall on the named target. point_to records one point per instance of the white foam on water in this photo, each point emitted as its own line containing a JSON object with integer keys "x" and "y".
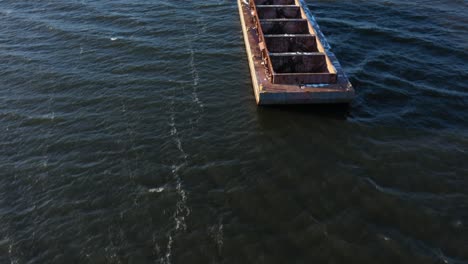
{"x": 182, "y": 211}
{"x": 156, "y": 248}
{"x": 50, "y": 116}
{"x": 112, "y": 249}
{"x": 220, "y": 237}
{"x": 175, "y": 134}
{"x": 217, "y": 234}
{"x": 193, "y": 69}
{"x": 195, "y": 77}
{"x": 457, "y": 224}
{"x": 167, "y": 260}
{"x": 113, "y": 39}
{"x": 13, "y": 259}
{"x": 442, "y": 257}
{"x": 156, "y": 190}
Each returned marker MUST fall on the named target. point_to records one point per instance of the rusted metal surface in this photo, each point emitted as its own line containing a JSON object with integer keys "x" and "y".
{"x": 288, "y": 63}
{"x": 291, "y": 43}
{"x": 274, "y": 2}
{"x": 284, "y": 26}
{"x": 286, "y": 20}
{"x": 278, "y": 11}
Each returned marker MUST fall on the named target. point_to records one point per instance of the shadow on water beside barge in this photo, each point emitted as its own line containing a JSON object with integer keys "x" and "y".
{"x": 270, "y": 113}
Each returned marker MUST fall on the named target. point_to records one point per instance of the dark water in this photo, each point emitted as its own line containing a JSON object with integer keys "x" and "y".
{"x": 130, "y": 135}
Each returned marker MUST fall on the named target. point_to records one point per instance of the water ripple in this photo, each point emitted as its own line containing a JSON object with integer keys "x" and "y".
{"x": 130, "y": 134}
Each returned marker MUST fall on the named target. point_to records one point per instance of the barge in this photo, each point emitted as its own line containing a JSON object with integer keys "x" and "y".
{"x": 290, "y": 60}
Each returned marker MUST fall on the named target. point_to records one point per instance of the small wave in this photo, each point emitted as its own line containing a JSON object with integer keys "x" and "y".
{"x": 175, "y": 134}
{"x": 50, "y": 116}
{"x": 6, "y": 12}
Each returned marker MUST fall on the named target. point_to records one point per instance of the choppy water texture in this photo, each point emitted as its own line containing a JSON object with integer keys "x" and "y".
{"x": 130, "y": 135}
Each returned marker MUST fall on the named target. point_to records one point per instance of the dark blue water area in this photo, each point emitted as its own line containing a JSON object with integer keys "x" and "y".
{"x": 130, "y": 134}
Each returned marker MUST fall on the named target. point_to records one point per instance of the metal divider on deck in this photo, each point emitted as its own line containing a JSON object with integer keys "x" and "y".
{"x": 289, "y": 48}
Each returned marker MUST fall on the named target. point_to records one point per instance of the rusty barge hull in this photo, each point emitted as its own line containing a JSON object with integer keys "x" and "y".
{"x": 290, "y": 60}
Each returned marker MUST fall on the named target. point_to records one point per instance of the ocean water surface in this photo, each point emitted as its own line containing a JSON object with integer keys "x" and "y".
{"x": 130, "y": 134}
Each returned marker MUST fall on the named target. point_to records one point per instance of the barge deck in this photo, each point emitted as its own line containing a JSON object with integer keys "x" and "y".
{"x": 290, "y": 60}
